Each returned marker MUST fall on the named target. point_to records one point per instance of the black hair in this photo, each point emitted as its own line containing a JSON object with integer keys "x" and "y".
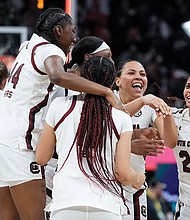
{"x": 48, "y": 20}
{"x": 119, "y": 70}
{"x": 96, "y": 128}
{"x": 86, "y": 45}
{"x": 100, "y": 70}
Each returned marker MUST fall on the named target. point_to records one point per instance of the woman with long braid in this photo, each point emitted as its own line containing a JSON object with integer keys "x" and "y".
{"x": 93, "y": 142}
{"x": 37, "y": 72}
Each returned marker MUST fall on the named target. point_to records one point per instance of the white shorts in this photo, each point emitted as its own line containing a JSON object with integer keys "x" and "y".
{"x": 84, "y": 213}
{"x": 182, "y": 211}
{"x": 18, "y": 166}
{"x": 137, "y": 204}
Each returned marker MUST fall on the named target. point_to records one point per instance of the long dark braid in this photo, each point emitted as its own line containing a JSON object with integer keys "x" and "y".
{"x": 50, "y": 18}
{"x": 95, "y": 126}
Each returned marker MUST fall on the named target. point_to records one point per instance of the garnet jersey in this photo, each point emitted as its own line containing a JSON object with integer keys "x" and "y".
{"x": 182, "y": 153}
{"x": 26, "y": 94}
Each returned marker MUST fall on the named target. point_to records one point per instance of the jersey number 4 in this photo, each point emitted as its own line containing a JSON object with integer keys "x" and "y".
{"x": 15, "y": 75}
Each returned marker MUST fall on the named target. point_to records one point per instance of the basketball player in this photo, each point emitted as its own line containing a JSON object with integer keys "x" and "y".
{"x": 132, "y": 81}
{"x": 182, "y": 154}
{"x": 85, "y": 48}
{"x": 36, "y": 70}
{"x": 93, "y": 142}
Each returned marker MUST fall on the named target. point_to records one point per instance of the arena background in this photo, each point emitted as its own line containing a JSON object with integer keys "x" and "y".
{"x": 148, "y": 32}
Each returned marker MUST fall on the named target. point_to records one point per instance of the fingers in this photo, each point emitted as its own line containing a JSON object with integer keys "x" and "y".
{"x": 158, "y": 104}
{"x": 155, "y": 152}
{"x": 150, "y": 133}
{"x": 155, "y": 147}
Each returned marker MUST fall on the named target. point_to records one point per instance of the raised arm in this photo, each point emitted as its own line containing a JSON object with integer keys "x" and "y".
{"x": 168, "y": 130}
{"x": 154, "y": 102}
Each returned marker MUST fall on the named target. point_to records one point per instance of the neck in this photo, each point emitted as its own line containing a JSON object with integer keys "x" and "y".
{"x": 123, "y": 97}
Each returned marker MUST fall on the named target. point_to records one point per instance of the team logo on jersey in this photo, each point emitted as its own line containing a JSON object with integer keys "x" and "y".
{"x": 34, "y": 168}
{"x": 48, "y": 215}
{"x": 143, "y": 210}
{"x": 138, "y": 114}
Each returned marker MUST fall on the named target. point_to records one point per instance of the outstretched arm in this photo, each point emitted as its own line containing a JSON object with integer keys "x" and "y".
{"x": 154, "y": 102}
{"x": 58, "y": 76}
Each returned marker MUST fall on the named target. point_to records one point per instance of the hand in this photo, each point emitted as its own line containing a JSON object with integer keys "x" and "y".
{"x": 139, "y": 180}
{"x": 145, "y": 133}
{"x": 158, "y": 104}
{"x": 115, "y": 102}
{"x": 146, "y": 147}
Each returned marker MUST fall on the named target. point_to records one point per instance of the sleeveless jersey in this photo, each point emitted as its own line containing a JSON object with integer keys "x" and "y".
{"x": 144, "y": 118}
{"x": 71, "y": 186}
{"x": 182, "y": 153}
{"x": 26, "y": 94}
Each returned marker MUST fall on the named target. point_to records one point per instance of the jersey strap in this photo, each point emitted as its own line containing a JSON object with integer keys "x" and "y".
{"x": 32, "y": 57}
{"x": 67, "y": 113}
{"x": 32, "y": 113}
{"x": 115, "y": 129}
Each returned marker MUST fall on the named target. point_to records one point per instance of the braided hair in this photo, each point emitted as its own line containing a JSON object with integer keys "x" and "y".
{"x": 95, "y": 129}
{"x": 48, "y": 20}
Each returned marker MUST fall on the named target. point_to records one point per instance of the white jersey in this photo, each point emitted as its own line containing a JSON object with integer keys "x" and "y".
{"x": 1, "y": 93}
{"x": 182, "y": 153}
{"x": 136, "y": 199}
{"x": 144, "y": 118}
{"x": 26, "y": 94}
{"x": 70, "y": 186}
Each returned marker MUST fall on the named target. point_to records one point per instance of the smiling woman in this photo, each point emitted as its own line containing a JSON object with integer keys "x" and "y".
{"x": 131, "y": 83}
{"x": 38, "y": 67}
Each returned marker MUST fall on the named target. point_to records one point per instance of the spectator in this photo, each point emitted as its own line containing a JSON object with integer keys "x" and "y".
{"x": 158, "y": 207}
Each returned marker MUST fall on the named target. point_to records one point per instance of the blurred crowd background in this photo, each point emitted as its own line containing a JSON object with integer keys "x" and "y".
{"x": 148, "y": 32}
